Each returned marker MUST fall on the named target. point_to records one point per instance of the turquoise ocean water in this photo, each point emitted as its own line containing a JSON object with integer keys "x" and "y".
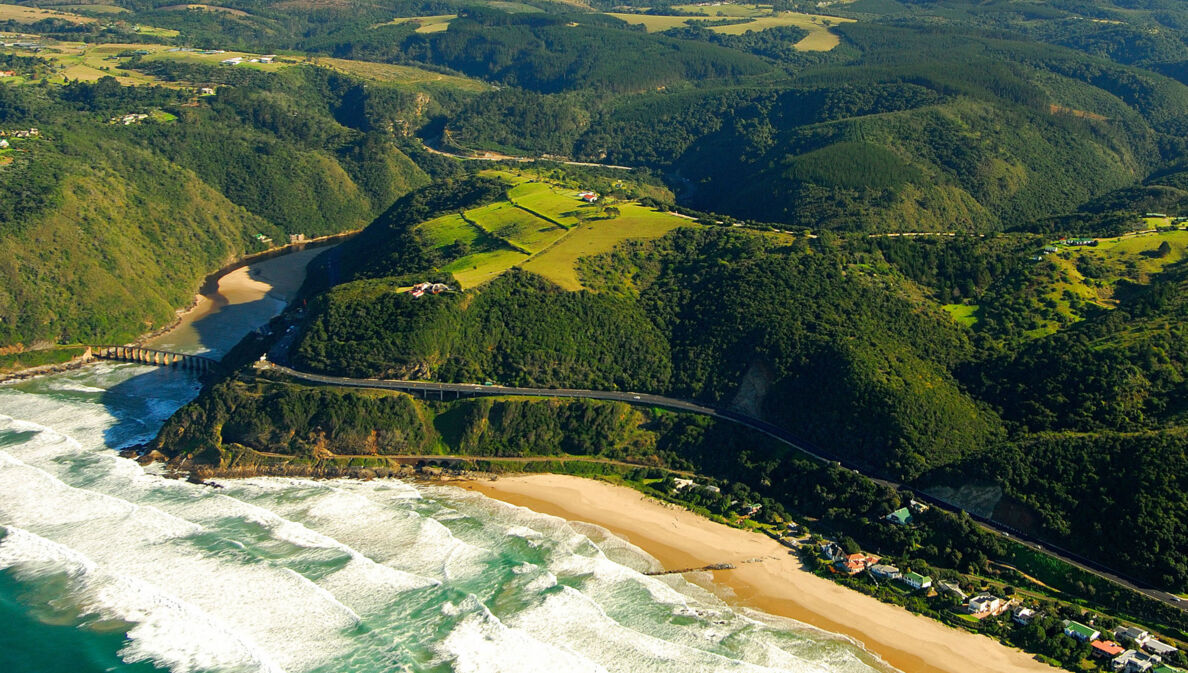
{"x": 106, "y": 566}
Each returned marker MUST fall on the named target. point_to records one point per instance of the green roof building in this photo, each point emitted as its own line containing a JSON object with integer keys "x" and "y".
{"x": 916, "y": 580}
{"x": 1080, "y": 631}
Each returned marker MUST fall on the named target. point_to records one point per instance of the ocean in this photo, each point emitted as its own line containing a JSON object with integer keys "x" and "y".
{"x": 109, "y": 566}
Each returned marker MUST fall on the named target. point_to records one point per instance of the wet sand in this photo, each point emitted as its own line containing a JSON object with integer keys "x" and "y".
{"x": 775, "y": 583}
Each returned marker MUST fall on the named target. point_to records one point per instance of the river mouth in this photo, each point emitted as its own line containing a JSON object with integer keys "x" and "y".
{"x": 241, "y": 300}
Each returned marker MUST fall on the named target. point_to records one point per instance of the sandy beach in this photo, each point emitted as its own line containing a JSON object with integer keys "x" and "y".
{"x": 775, "y": 583}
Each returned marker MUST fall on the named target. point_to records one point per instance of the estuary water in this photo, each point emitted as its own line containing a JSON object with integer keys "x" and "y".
{"x": 107, "y": 566}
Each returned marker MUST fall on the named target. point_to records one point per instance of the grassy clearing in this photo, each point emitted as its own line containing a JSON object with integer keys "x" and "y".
{"x": 653, "y": 24}
{"x": 94, "y": 9}
{"x": 556, "y": 203}
{"x": 517, "y": 226}
{"x": 447, "y": 230}
{"x": 426, "y": 24}
{"x": 22, "y": 14}
{"x": 157, "y": 32}
{"x": 512, "y": 7}
{"x": 963, "y": 314}
{"x": 559, "y": 263}
{"x": 208, "y": 8}
{"x": 387, "y": 73}
{"x": 820, "y": 38}
{"x": 479, "y": 268}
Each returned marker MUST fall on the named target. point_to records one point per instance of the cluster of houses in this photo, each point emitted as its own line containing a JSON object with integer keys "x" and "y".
{"x": 129, "y": 119}
{"x": 419, "y": 290}
{"x": 240, "y": 60}
{"x": 1146, "y": 656}
{"x": 7, "y": 73}
{"x": 588, "y": 196}
{"x": 20, "y": 133}
{"x": 852, "y": 564}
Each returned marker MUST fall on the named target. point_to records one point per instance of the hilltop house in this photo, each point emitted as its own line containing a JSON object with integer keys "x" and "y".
{"x": 900, "y": 517}
{"x": 916, "y": 580}
{"x": 1080, "y": 632}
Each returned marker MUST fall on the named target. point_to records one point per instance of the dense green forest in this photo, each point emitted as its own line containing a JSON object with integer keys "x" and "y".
{"x": 108, "y": 228}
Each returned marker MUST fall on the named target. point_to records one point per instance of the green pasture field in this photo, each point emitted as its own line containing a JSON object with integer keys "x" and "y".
{"x": 516, "y": 225}
{"x": 559, "y": 263}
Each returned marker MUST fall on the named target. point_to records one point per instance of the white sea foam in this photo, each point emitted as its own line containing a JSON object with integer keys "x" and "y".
{"x": 167, "y": 631}
{"x": 480, "y": 643}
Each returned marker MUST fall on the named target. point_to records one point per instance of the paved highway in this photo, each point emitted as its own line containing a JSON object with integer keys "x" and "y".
{"x": 429, "y": 389}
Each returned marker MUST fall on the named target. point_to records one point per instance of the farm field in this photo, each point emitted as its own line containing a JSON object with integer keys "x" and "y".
{"x": 559, "y": 263}
{"x": 427, "y": 24}
{"x": 820, "y": 38}
{"x": 22, "y": 14}
{"x": 556, "y": 203}
{"x": 397, "y": 74}
{"x": 517, "y": 226}
{"x": 96, "y": 9}
{"x": 209, "y": 8}
{"x": 481, "y": 267}
{"x": 447, "y": 230}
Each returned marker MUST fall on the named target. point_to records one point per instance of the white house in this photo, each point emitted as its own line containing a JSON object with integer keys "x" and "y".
{"x": 983, "y": 603}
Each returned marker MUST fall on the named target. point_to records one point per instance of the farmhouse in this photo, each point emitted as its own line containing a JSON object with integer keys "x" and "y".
{"x": 234, "y": 60}
{"x": 588, "y": 197}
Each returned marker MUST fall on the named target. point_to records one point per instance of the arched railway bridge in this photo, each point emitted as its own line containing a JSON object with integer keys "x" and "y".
{"x": 152, "y": 356}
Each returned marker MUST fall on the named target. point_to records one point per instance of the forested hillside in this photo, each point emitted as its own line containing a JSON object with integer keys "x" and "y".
{"x": 108, "y": 227}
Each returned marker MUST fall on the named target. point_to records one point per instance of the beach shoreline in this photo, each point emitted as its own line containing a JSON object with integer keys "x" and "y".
{"x": 767, "y": 577}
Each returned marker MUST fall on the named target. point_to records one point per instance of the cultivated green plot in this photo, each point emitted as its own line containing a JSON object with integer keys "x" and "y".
{"x": 559, "y": 204}
{"x": 448, "y": 230}
{"x": 559, "y": 263}
{"x": 427, "y": 24}
{"x": 481, "y": 267}
{"x": 515, "y": 225}
{"x": 820, "y": 38}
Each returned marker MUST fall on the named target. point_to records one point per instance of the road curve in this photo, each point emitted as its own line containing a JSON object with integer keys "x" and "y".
{"x": 428, "y": 388}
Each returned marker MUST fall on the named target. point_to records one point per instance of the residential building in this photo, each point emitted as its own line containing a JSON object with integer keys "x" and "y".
{"x": 952, "y": 588}
{"x": 887, "y": 572}
{"x": 1158, "y": 647}
{"x": 983, "y": 603}
{"x": 1134, "y": 661}
{"x": 1080, "y": 631}
{"x": 1133, "y": 633}
{"x": 852, "y": 564}
{"x": 1023, "y": 615}
{"x": 901, "y": 516}
{"x": 832, "y": 551}
{"x": 916, "y": 580}
{"x": 1106, "y": 649}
